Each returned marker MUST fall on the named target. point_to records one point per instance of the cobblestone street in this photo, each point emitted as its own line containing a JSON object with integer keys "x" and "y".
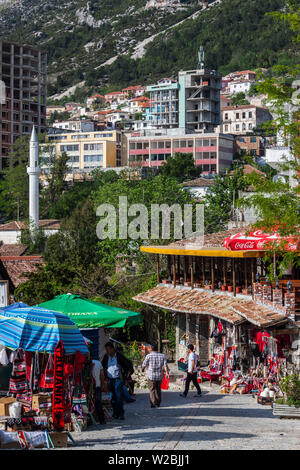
{"x": 214, "y": 421}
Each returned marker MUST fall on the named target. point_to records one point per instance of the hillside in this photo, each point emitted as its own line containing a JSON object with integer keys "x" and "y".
{"x": 111, "y": 43}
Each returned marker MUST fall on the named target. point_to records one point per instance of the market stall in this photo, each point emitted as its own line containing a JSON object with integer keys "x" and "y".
{"x": 48, "y": 355}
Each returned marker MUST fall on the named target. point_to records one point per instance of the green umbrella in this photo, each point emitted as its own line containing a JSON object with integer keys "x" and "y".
{"x": 88, "y": 314}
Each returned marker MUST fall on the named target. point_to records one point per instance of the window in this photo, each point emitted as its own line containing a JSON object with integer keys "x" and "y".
{"x": 226, "y": 116}
{"x": 226, "y": 127}
{"x": 250, "y": 126}
{"x": 250, "y": 114}
{"x": 93, "y": 158}
{"x": 244, "y": 115}
{"x": 237, "y": 115}
{"x": 253, "y": 140}
{"x": 69, "y": 148}
{"x": 213, "y": 142}
{"x": 237, "y": 127}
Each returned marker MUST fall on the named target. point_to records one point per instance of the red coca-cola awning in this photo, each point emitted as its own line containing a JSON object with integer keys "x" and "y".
{"x": 258, "y": 240}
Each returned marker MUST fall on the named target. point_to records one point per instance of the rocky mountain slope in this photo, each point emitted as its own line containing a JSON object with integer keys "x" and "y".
{"x": 112, "y": 42}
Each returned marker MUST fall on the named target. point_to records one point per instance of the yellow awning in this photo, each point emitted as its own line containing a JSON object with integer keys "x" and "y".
{"x": 207, "y": 252}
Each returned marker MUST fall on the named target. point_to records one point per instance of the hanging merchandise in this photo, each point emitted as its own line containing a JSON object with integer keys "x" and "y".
{"x": 4, "y": 361}
{"x": 18, "y": 383}
{"x": 58, "y": 388}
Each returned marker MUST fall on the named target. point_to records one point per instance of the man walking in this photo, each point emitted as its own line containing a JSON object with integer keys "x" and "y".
{"x": 191, "y": 372}
{"x": 155, "y": 362}
{"x": 116, "y": 368}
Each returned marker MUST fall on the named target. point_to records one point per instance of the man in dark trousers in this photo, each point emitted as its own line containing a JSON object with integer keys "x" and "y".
{"x": 116, "y": 369}
{"x": 191, "y": 372}
{"x": 155, "y": 362}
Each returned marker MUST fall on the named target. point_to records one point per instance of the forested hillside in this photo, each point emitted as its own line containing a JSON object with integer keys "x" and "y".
{"x": 80, "y": 37}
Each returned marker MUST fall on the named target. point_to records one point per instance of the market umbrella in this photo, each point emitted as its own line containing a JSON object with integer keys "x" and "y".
{"x": 88, "y": 314}
{"x": 39, "y": 329}
{"x": 258, "y": 240}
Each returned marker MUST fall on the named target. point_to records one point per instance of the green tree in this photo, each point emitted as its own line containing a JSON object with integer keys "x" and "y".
{"x": 181, "y": 166}
{"x": 239, "y": 99}
{"x": 221, "y": 198}
{"x": 14, "y": 184}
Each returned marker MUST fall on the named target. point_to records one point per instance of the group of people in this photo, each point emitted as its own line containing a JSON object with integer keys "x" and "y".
{"x": 116, "y": 370}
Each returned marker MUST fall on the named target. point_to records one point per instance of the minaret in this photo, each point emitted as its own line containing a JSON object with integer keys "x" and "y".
{"x": 34, "y": 171}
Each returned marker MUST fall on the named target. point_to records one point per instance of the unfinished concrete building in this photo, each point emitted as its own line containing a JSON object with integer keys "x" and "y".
{"x": 23, "y": 94}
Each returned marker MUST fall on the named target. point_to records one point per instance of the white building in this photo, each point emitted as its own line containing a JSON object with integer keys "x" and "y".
{"x": 241, "y": 86}
{"x": 243, "y": 119}
{"x": 77, "y": 125}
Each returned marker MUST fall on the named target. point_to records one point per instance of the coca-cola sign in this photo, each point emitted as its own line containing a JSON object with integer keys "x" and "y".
{"x": 247, "y": 245}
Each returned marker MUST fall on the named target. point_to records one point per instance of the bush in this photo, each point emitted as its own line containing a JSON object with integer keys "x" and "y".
{"x": 290, "y": 385}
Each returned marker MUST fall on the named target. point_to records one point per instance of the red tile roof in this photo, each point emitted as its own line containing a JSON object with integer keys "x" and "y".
{"x": 205, "y": 302}
{"x": 199, "y": 183}
{"x": 212, "y": 240}
{"x": 51, "y": 224}
{"x": 12, "y": 250}
{"x": 16, "y": 267}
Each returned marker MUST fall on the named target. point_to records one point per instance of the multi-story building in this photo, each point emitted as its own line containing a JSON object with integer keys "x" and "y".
{"x": 212, "y": 152}
{"x": 87, "y": 151}
{"x": 250, "y": 144}
{"x": 243, "y": 119}
{"x": 76, "y": 125}
{"x": 23, "y": 82}
{"x": 163, "y": 110}
{"x": 191, "y": 103}
{"x": 199, "y": 100}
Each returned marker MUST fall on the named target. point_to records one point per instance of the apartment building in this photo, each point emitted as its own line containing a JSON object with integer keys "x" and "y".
{"x": 192, "y": 102}
{"x": 164, "y": 103}
{"x": 87, "y": 151}
{"x": 251, "y": 144}
{"x": 239, "y": 120}
{"x": 23, "y": 71}
{"x": 76, "y": 125}
{"x": 149, "y": 148}
{"x": 199, "y": 100}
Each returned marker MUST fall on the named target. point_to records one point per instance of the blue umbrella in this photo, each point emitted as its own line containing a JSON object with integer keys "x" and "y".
{"x": 39, "y": 329}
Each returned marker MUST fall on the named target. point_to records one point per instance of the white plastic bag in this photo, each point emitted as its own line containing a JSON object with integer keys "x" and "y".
{"x": 15, "y": 410}
{"x": 3, "y": 357}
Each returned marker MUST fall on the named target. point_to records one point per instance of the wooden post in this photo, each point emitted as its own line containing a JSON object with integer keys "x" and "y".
{"x": 246, "y": 273}
{"x": 203, "y": 270}
{"x": 157, "y": 269}
{"x": 178, "y": 267}
{"x": 233, "y": 277}
{"x": 169, "y": 266}
{"x": 192, "y": 271}
{"x": 212, "y": 265}
{"x": 252, "y": 276}
{"x": 184, "y": 269}
{"x": 174, "y": 270}
{"x": 224, "y": 271}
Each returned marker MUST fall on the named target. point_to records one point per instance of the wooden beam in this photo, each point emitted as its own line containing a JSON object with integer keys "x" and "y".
{"x": 234, "y": 277}
{"x": 192, "y": 272}
{"x": 157, "y": 269}
{"x": 174, "y": 270}
{"x": 246, "y": 273}
{"x": 184, "y": 269}
{"x": 212, "y": 267}
{"x": 224, "y": 271}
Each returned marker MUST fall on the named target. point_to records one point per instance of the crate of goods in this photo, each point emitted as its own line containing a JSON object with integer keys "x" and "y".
{"x": 264, "y": 400}
{"x": 5, "y": 404}
{"x": 59, "y": 439}
{"x": 42, "y": 403}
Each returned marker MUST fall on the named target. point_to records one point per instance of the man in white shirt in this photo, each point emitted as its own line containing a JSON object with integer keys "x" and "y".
{"x": 191, "y": 372}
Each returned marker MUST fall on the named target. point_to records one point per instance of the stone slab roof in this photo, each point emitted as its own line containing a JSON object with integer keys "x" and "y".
{"x": 220, "y": 305}
{"x": 51, "y": 224}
